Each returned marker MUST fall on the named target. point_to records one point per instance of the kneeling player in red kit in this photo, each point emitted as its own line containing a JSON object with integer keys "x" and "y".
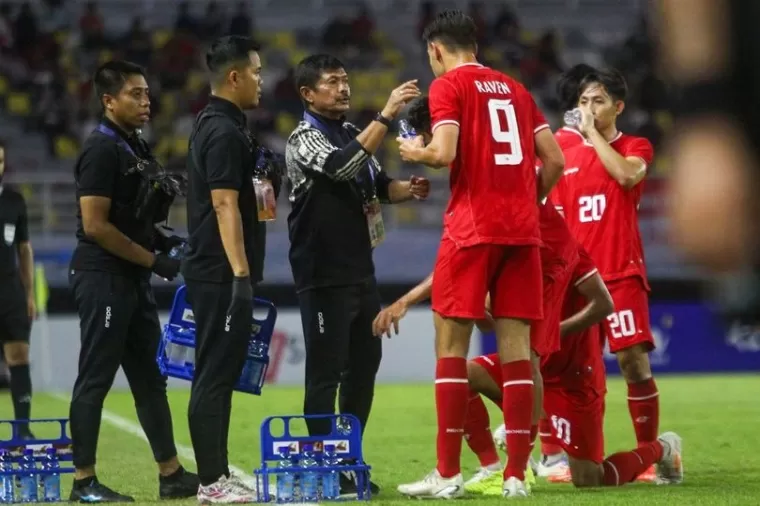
{"x": 574, "y": 390}
{"x": 487, "y": 129}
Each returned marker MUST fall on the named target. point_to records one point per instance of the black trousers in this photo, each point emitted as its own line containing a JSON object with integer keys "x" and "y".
{"x": 220, "y": 351}
{"x": 119, "y": 327}
{"x": 340, "y": 351}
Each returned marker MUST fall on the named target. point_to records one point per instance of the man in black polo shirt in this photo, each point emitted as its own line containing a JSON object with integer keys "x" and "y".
{"x": 110, "y": 280}
{"x": 226, "y": 256}
{"x": 17, "y": 309}
{"x": 334, "y": 225}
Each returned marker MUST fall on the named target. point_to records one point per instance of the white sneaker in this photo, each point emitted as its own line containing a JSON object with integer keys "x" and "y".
{"x": 252, "y": 484}
{"x": 482, "y": 474}
{"x": 433, "y": 486}
{"x": 225, "y": 491}
{"x": 553, "y": 466}
{"x": 499, "y": 436}
{"x": 670, "y": 466}
{"x": 514, "y": 489}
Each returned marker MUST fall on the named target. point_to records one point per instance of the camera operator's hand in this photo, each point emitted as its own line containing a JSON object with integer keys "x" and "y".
{"x": 166, "y": 267}
{"x": 242, "y": 296}
{"x": 400, "y": 97}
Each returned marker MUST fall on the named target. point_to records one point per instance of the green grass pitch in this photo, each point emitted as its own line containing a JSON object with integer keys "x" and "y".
{"x": 716, "y": 415}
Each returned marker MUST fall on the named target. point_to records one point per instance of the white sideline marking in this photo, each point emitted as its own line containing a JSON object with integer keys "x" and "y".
{"x": 134, "y": 428}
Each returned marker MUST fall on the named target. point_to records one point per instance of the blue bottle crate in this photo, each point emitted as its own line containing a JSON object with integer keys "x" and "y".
{"x": 176, "y": 351}
{"x": 345, "y": 435}
{"x": 15, "y": 446}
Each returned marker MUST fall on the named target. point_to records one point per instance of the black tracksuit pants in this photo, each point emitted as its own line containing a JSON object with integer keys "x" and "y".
{"x": 119, "y": 327}
{"x": 340, "y": 351}
{"x": 220, "y": 351}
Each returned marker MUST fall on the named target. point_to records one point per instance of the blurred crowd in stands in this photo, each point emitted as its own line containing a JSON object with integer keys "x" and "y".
{"x": 46, "y": 58}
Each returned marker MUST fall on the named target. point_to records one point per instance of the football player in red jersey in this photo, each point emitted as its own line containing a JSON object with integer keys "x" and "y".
{"x": 488, "y": 129}
{"x": 599, "y": 195}
{"x": 574, "y": 390}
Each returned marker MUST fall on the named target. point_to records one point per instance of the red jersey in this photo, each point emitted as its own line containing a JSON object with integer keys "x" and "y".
{"x": 568, "y": 137}
{"x": 493, "y": 178}
{"x": 559, "y": 248}
{"x": 579, "y": 363}
{"x": 601, "y": 214}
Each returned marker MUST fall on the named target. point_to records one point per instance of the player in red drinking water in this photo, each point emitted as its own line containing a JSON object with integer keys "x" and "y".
{"x": 574, "y": 390}
{"x": 488, "y": 129}
{"x": 599, "y": 196}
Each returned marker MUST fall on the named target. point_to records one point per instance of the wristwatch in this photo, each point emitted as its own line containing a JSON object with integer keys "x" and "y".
{"x": 382, "y": 119}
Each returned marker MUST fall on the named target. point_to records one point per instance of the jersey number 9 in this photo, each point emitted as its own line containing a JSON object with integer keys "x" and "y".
{"x": 509, "y": 135}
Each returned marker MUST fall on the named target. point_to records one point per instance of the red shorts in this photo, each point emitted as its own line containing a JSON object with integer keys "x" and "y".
{"x": 629, "y": 324}
{"x": 577, "y": 419}
{"x": 463, "y": 276}
{"x": 492, "y": 365}
{"x": 544, "y": 334}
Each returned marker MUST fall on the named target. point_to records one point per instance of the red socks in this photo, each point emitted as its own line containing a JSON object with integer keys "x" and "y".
{"x": 477, "y": 431}
{"x": 451, "y": 398}
{"x": 517, "y": 405}
{"x": 622, "y": 468}
{"x": 644, "y": 406}
{"x": 549, "y": 444}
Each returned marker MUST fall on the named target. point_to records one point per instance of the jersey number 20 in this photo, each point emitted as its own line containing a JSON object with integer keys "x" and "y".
{"x": 509, "y": 135}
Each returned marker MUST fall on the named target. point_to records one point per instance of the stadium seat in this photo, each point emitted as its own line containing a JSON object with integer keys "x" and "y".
{"x": 105, "y": 56}
{"x": 361, "y": 81}
{"x": 3, "y": 86}
{"x": 19, "y": 104}
{"x": 195, "y": 82}
{"x": 168, "y": 104}
{"x": 66, "y": 148}
{"x": 284, "y": 40}
{"x": 285, "y": 123}
{"x": 179, "y": 146}
{"x": 61, "y": 37}
{"x": 163, "y": 148}
{"x": 393, "y": 57}
{"x": 295, "y": 56}
{"x": 160, "y": 38}
{"x": 385, "y": 81}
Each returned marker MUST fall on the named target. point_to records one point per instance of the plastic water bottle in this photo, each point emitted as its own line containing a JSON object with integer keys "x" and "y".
{"x": 309, "y": 479}
{"x": 28, "y": 479}
{"x": 6, "y": 480}
{"x": 285, "y": 478}
{"x": 253, "y": 370}
{"x": 179, "y": 354}
{"x": 406, "y": 130}
{"x": 573, "y": 118}
{"x": 330, "y": 480}
{"x": 179, "y": 251}
{"x": 50, "y": 483}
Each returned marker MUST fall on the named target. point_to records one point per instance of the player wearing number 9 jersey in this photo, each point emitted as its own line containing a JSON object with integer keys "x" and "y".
{"x": 487, "y": 128}
{"x": 599, "y": 195}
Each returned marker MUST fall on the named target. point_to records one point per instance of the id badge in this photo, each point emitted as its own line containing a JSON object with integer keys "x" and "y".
{"x": 375, "y": 223}
{"x": 266, "y": 203}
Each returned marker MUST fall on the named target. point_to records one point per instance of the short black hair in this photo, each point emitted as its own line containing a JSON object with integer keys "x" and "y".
{"x": 310, "y": 70}
{"x": 419, "y": 114}
{"x": 110, "y": 77}
{"x": 612, "y": 80}
{"x": 452, "y": 28}
{"x": 230, "y": 50}
{"x": 569, "y": 83}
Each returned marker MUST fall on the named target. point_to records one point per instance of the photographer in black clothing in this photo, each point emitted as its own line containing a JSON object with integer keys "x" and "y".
{"x": 17, "y": 307}
{"x": 226, "y": 255}
{"x": 334, "y": 225}
{"x": 122, "y": 193}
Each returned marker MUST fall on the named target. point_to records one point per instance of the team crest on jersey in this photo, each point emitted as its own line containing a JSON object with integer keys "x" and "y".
{"x": 9, "y": 233}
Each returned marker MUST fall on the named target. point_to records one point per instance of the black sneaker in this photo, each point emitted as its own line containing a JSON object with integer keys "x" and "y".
{"x": 349, "y": 487}
{"x": 94, "y": 492}
{"x": 180, "y": 485}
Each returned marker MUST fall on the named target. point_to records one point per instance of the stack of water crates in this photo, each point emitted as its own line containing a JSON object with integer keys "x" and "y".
{"x": 30, "y": 470}
{"x": 306, "y": 469}
{"x": 176, "y": 352}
